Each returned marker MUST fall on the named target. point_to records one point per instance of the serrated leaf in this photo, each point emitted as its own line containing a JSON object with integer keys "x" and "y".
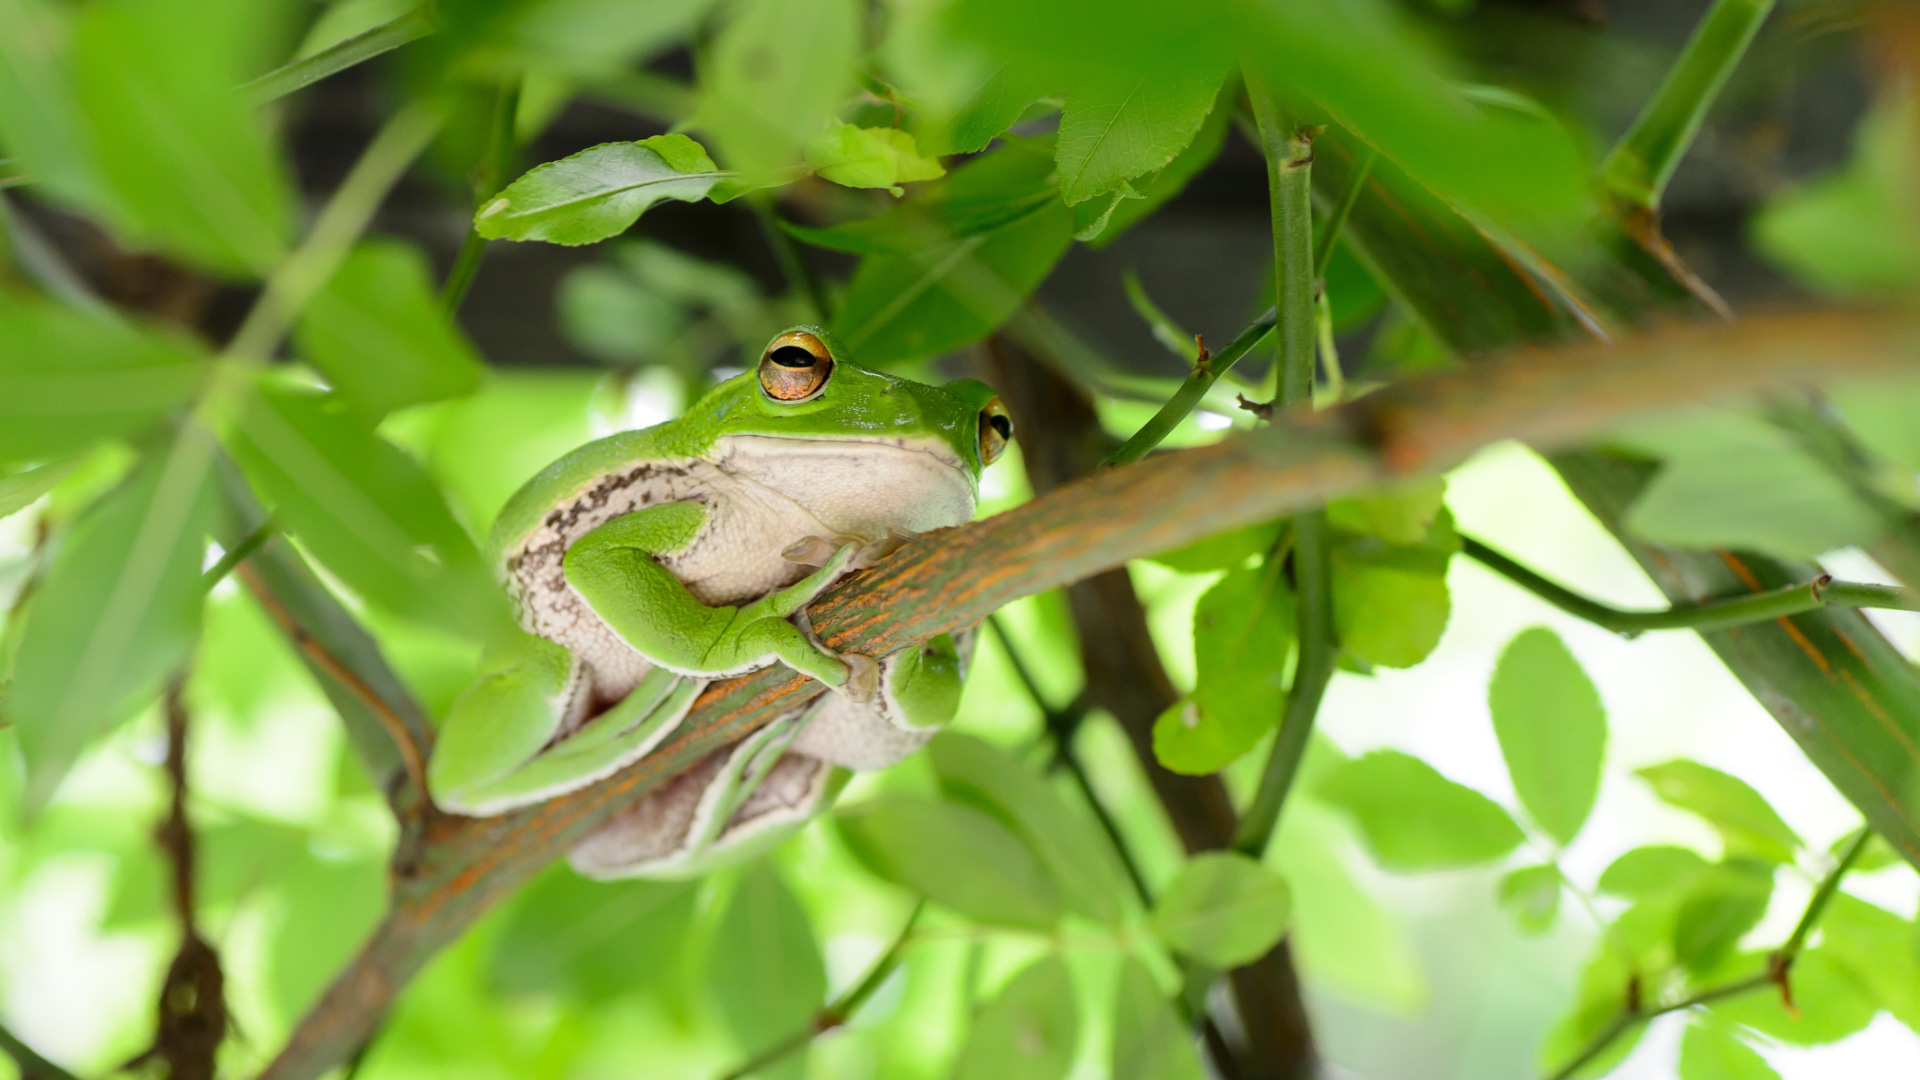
{"x": 1598, "y": 1002}
{"x": 1710, "y": 1051}
{"x": 1223, "y": 909}
{"x": 380, "y": 336}
{"x": 1413, "y": 818}
{"x": 765, "y": 970}
{"x": 185, "y": 157}
{"x": 956, "y": 856}
{"x": 1122, "y": 126}
{"x": 598, "y": 192}
{"x": 956, "y": 290}
{"x": 774, "y": 77}
{"x": 1721, "y": 904}
{"x": 68, "y": 378}
{"x": 1552, "y": 730}
{"x": 1880, "y": 950}
{"x": 1735, "y": 481}
{"x": 592, "y": 941}
{"x": 1390, "y": 601}
{"x": 1531, "y": 895}
{"x": 858, "y": 157}
{"x": 329, "y": 906}
{"x": 1400, "y": 515}
{"x": 1646, "y": 871}
{"x": 1158, "y": 188}
{"x": 1741, "y": 815}
{"x": 1243, "y": 631}
{"x": 1226, "y": 551}
{"x": 979, "y": 774}
{"x": 1028, "y": 1031}
{"x": 365, "y": 509}
{"x": 1000, "y": 100}
{"x": 1149, "y": 1040}
{"x": 599, "y": 38}
{"x": 118, "y": 611}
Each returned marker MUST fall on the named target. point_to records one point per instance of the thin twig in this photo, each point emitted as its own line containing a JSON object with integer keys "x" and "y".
{"x": 1779, "y": 969}
{"x": 841, "y": 1009}
{"x": 360, "y": 48}
{"x": 192, "y": 1019}
{"x": 1330, "y": 228}
{"x": 1704, "y": 615}
{"x": 31, "y": 1065}
{"x": 411, "y": 754}
{"x": 230, "y": 559}
{"x": 489, "y": 177}
{"x": 1185, "y": 399}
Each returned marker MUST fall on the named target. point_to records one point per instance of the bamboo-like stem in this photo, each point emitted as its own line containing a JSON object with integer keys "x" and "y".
{"x": 334, "y": 59}
{"x": 1639, "y": 166}
{"x": 840, "y": 1010}
{"x": 1779, "y": 968}
{"x": 954, "y": 578}
{"x": 1289, "y": 149}
{"x": 1706, "y": 615}
{"x": 489, "y": 176}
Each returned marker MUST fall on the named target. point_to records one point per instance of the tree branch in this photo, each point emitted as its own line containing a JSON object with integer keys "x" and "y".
{"x": 956, "y": 577}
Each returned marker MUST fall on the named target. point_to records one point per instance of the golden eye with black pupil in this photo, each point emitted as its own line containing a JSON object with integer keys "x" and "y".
{"x": 996, "y": 431}
{"x": 796, "y": 365}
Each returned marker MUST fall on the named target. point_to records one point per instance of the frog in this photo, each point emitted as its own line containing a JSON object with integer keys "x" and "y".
{"x": 645, "y": 565}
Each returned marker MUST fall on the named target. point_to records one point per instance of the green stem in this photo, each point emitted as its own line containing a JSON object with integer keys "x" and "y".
{"x": 488, "y": 178}
{"x": 31, "y": 1065}
{"x": 1330, "y": 229}
{"x": 838, "y": 1012}
{"x": 1704, "y": 615}
{"x": 1779, "y": 967}
{"x": 334, "y": 59}
{"x": 345, "y": 217}
{"x": 793, "y": 266}
{"x": 230, "y": 559}
{"x": 1289, "y": 148}
{"x": 1191, "y": 393}
{"x": 1638, "y": 168}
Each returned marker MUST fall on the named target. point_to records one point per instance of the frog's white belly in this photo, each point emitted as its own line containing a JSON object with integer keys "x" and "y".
{"x": 762, "y": 495}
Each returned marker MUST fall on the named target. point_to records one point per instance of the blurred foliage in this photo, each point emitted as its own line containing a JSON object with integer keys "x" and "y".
{"x": 977, "y": 141}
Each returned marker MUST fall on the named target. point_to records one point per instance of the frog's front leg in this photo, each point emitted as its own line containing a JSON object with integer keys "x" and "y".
{"x": 614, "y": 569}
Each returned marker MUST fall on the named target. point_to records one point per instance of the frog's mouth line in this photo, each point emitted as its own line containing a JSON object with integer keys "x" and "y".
{"x": 931, "y": 447}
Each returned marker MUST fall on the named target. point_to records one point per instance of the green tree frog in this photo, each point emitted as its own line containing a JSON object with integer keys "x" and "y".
{"x": 648, "y": 563}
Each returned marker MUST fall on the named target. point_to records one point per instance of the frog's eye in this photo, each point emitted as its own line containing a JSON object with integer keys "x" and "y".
{"x": 795, "y": 367}
{"x": 996, "y": 431}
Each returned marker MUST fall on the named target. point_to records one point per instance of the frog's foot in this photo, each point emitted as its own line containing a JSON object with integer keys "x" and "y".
{"x": 815, "y": 550}
{"x": 871, "y": 553}
{"x": 819, "y": 550}
{"x": 863, "y": 678}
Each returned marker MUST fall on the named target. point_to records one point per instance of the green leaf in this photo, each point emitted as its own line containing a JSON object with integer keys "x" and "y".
{"x": 1119, "y": 127}
{"x": 1852, "y": 234}
{"x": 956, "y": 290}
{"x": 40, "y": 126}
{"x": 765, "y": 970}
{"x": 1721, "y": 904}
{"x": 1157, "y": 189}
{"x": 1531, "y": 895}
{"x": 365, "y": 509}
{"x": 67, "y": 379}
{"x": 956, "y": 856}
{"x": 979, "y": 774}
{"x": 378, "y": 333}
{"x": 1645, "y": 871}
{"x": 599, "y": 38}
{"x": 1552, "y": 730}
{"x": 1342, "y": 935}
{"x": 329, "y": 907}
{"x": 1830, "y": 1003}
{"x": 1390, "y": 601}
{"x": 1149, "y": 1041}
{"x": 1743, "y": 818}
{"x": 999, "y": 101}
{"x": 1879, "y": 949}
{"x": 1415, "y": 819}
{"x": 1224, "y": 909}
{"x": 1712, "y": 1052}
{"x": 1226, "y": 551}
{"x": 1028, "y": 1031}
{"x": 1243, "y": 631}
{"x": 1886, "y": 416}
{"x": 774, "y": 77}
{"x": 176, "y": 142}
{"x": 858, "y": 157}
{"x": 598, "y": 192}
{"x": 1735, "y": 481}
{"x": 1597, "y": 1004}
{"x": 590, "y": 940}
{"x": 1400, "y": 515}
{"x": 118, "y": 611}
{"x": 22, "y": 489}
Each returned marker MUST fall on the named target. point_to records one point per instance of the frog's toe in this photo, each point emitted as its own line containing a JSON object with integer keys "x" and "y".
{"x": 872, "y": 552}
{"x": 863, "y": 678}
{"x": 811, "y": 551}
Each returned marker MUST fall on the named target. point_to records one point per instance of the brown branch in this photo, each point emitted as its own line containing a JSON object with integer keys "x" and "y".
{"x": 956, "y": 577}
{"x": 412, "y": 755}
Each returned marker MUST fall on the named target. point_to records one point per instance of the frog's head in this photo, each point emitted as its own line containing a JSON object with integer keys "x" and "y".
{"x": 803, "y": 389}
